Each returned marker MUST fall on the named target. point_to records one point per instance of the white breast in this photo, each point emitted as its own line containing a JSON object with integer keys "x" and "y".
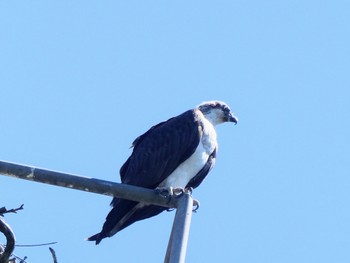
{"x": 189, "y": 168}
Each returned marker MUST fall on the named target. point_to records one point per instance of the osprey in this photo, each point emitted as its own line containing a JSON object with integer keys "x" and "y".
{"x": 176, "y": 153}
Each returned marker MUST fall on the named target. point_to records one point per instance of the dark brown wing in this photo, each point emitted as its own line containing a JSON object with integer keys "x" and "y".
{"x": 159, "y": 151}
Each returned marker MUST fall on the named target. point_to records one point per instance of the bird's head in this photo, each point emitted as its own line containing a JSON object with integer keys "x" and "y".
{"x": 217, "y": 112}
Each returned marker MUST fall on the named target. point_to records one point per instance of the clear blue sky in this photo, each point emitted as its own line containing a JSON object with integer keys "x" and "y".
{"x": 80, "y": 80}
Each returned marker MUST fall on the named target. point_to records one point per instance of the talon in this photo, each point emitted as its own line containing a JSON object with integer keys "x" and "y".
{"x": 188, "y": 190}
{"x": 196, "y": 205}
{"x": 178, "y": 191}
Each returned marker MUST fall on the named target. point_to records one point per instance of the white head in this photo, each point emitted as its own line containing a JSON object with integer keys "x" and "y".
{"x": 217, "y": 112}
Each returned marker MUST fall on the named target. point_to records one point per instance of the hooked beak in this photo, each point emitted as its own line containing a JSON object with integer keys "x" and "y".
{"x": 232, "y": 118}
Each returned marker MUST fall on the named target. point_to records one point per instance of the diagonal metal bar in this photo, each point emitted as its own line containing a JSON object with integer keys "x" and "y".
{"x": 177, "y": 246}
{"x": 87, "y": 184}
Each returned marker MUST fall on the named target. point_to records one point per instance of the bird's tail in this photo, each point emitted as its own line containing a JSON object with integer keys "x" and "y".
{"x": 97, "y": 238}
{"x": 123, "y": 214}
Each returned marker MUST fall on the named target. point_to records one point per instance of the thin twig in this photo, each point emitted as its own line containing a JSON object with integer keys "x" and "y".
{"x": 3, "y": 210}
{"x": 22, "y": 260}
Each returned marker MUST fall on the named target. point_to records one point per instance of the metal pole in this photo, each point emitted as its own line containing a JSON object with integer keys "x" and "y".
{"x": 124, "y": 191}
{"x": 177, "y": 246}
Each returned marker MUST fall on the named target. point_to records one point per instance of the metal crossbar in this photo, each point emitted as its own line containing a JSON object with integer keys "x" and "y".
{"x": 176, "y": 251}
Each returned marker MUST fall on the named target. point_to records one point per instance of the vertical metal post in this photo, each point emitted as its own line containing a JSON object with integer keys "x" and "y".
{"x": 177, "y": 246}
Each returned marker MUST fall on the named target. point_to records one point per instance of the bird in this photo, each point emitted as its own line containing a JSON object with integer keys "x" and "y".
{"x": 177, "y": 153}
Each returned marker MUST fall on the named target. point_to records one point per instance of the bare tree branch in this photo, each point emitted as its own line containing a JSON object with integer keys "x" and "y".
{"x": 3, "y": 210}
{"x": 10, "y": 237}
{"x": 53, "y": 255}
{"x": 22, "y": 260}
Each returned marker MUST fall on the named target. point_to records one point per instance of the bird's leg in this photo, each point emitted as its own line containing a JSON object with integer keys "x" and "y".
{"x": 166, "y": 192}
{"x": 170, "y": 191}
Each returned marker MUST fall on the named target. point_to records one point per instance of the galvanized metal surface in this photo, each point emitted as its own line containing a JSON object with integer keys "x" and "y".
{"x": 176, "y": 251}
{"x": 87, "y": 184}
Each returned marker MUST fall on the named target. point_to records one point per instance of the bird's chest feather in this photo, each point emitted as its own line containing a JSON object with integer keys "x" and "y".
{"x": 208, "y": 139}
{"x": 180, "y": 177}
